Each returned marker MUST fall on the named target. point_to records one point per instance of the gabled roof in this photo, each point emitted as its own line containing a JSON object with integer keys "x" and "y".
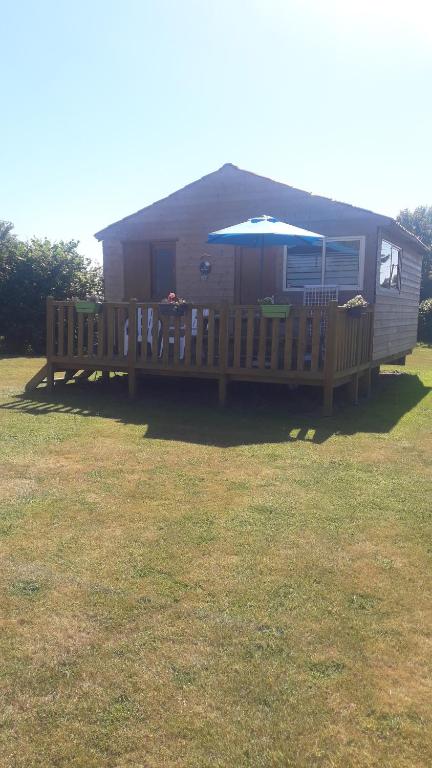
{"x": 381, "y": 219}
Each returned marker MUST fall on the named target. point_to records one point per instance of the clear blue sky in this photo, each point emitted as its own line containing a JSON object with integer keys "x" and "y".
{"x": 109, "y": 105}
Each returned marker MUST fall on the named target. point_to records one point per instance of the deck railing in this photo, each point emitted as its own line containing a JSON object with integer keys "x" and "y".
{"x": 311, "y": 343}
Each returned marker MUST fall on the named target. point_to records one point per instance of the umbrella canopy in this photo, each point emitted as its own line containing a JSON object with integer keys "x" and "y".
{"x": 262, "y": 231}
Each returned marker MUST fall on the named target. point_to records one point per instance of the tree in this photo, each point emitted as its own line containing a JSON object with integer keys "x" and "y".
{"x": 31, "y": 271}
{"x": 419, "y": 221}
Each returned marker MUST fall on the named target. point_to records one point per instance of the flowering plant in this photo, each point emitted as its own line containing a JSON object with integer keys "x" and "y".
{"x": 172, "y": 298}
{"x": 358, "y": 302}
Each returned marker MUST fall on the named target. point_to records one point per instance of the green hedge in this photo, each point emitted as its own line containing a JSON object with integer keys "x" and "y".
{"x": 425, "y": 321}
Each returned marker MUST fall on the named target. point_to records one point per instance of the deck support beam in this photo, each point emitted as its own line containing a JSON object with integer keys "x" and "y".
{"x": 132, "y": 383}
{"x": 353, "y": 389}
{"x": 328, "y": 391}
{"x": 365, "y": 383}
{"x": 50, "y": 376}
{"x": 223, "y": 386}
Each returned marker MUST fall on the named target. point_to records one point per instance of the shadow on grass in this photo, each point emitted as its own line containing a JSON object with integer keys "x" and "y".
{"x": 186, "y": 409}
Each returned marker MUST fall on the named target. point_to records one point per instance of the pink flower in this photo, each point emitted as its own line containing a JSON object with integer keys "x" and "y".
{"x": 172, "y": 296}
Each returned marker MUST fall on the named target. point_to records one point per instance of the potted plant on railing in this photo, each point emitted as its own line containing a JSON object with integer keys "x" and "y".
{"x": 91, "y": 305}
{"x": 355, "y": 307}
{"x": 270, "y": 309}
{"x": 173, "y": 305}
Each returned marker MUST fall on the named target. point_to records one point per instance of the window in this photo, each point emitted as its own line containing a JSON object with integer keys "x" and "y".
{"x": 390, "y": 266}
{"x": 338, "y": 261}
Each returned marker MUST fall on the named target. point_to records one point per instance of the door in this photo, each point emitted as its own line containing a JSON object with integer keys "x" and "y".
{"x": 163, "y": 279}
{"x": 250, "y": 285}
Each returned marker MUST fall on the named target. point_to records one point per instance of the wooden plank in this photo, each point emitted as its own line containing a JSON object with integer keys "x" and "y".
{"x": 110, "y": 329}
{"x": 237, "y": 337}
{"x": 262, "y": 341}
{"x": 155, "y": 333}
{"x": 223, "y": 340}
{"x": 331, "y": 343}
{"x": 188, "y": 337}
{"x": 287, "y": 365}
{"x": 90, "y": 334}
{"x": 80, "y": 346}
{"x": 121, "y": 322}
{"x": 199, "y": 337}
{"x": 50, "y": 328}
{"x": 166, "y": 320}
{"x": 132, "y": 347}
{"x": 101, "y": 333}
{"x": 144, "y": 330}
{"x": 70, "y": 330}
{"x": 316, "y": 335}
{"x": 302, "y": 338}
{"x": 250, "y": 329}
{"x": 211, "y": 337}
{"x": 36, "y": 379}
{"x": 274, "y": 355}
{"x": 61, "y": 330}
{"x": 176, "y": 356}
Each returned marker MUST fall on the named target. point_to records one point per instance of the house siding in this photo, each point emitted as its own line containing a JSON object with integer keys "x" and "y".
{"x": 113, "y": 269}
{"x": 220, "y": 200}
{"x": 396, "y": 314}
{"x": 229, "y": 196}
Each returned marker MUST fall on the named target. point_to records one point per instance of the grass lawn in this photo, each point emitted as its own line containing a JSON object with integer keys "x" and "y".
{"x": 187, "y": 587}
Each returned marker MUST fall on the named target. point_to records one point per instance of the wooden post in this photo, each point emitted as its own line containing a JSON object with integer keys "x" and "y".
{"x": 365, "y": 383}
{"x": 353, "y": 388}
{"x": 330, "y": 357}
{"x": 50, "y": 328}
{"x": 132, "y": 345}
{"x": 223, "y": 353}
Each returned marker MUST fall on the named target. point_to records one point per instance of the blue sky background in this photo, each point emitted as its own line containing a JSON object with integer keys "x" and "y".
{"x": 108, "y": 105}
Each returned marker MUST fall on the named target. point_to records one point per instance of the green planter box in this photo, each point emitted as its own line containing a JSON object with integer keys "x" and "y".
{"x": 275, "y": 310}
{"x": 172, "y": 310}
{"x": 88, "y": 307}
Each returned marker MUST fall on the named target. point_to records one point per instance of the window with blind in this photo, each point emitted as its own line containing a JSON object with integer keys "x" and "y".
{"x": 338, "y": 261}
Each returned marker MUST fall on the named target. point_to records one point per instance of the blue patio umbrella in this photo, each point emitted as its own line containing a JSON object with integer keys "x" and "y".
{"x": 262, "y": 232}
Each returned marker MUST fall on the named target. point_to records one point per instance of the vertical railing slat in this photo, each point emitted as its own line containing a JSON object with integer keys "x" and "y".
{"x": 301, "y": 339}
{"x": 262, "y": 341}
{"x": 101, "y": 319}
{"x": 274, "y": 353}
{"x": 70, "y": 330}
{"x": 288, "y": 343}
{"x": 90, "y": 334}
{"x": 316, "y": 335}
{"x": 199, "y": 337}
{"x": 110, "y": 330}
{"x": 155, "y": 333}
{"x": 166, "y": 320}
{"x": 176, "y": 351}
{"x": 80, "y": 334}
{"x": 250, "y": 337}
{"x": 188, "y": 337}
{"x": 211, "y": 339}
{"x": 61, "y": 331}
{"x": 237, "y": 337}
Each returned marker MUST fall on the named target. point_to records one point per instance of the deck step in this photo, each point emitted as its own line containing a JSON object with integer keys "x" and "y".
{"x": 36, "y": 379}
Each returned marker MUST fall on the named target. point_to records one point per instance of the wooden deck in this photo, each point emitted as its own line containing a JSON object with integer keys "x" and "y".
{"x": 315, "y": 345}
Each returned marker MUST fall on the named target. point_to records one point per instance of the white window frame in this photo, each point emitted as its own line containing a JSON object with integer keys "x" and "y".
{"x": 390, "y": 289}
{"x": 358, "y": 287}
